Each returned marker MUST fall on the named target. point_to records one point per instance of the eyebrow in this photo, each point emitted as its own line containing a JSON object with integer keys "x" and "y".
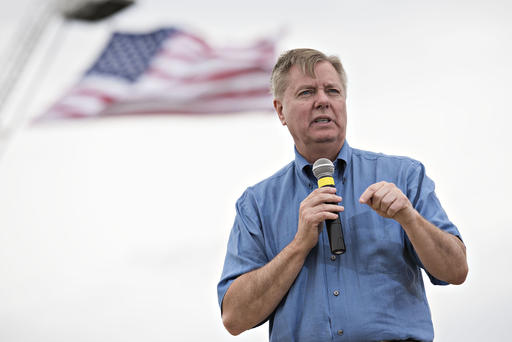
{"x": 305, "y": 85}
{"x": 332, "y": 85}
{"x": 311, "y": 86}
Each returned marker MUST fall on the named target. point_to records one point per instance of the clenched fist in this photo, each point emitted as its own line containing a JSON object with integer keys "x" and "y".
{"x": 388, "y": 201}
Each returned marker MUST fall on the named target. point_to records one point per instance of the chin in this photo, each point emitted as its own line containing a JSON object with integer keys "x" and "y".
{"x": 326, "y": 139}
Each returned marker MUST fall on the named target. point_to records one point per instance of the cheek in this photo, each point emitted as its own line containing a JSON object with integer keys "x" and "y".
{"x": 295, "y": 115}
{"x": 342, "y": 110}
{"x": 301, "y": 120}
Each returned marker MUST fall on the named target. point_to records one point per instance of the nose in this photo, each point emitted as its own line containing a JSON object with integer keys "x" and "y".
{"x": 322, "y": 100}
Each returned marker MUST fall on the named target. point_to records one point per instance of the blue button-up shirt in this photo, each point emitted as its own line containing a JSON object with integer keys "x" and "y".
{"x": 372, "y": 292}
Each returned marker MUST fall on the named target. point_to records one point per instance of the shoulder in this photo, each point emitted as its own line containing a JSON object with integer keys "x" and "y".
{"x": 371, "y": 167}
{"x": 379, "y": 156}
{"x": 385, "y": 160}
{"x": 275, "y": 183}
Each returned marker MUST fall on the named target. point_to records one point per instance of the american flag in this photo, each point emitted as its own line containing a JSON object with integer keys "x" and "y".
{"x": 170, "y": 71}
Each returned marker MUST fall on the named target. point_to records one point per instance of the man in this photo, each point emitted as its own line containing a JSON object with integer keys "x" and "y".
{"x": 279, "y": 265}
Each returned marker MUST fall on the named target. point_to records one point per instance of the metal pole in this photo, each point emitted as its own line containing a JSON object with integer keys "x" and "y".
{"x": 35, "y": 20}
{"x": 23, "y": 43}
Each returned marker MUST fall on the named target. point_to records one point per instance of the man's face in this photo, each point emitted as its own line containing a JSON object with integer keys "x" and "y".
{"x": 314, "y": 108}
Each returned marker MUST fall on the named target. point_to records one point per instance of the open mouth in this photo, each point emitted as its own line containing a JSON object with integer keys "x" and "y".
{"x": 322, "y": 120}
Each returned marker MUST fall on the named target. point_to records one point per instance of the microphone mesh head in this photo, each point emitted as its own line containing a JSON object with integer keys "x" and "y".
{"x": 323, "y": 167}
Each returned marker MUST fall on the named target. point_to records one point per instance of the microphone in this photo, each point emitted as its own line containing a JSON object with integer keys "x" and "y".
{"x": 323, "y": 170}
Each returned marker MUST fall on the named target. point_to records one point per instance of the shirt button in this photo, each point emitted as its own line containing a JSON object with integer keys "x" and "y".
{"x": 336, "y": 293}
{"x": 333, "y": 257}
{"x": 340, "y": 332}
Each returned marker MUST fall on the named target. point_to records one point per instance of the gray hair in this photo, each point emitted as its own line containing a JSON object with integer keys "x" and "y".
{"x": 305, "y": 60}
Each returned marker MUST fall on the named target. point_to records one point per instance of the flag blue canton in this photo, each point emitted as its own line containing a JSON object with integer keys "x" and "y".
{"x": 128, "y": 55}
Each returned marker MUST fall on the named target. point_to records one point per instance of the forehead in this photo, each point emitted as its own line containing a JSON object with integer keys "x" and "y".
{"x": 324, "y": 74}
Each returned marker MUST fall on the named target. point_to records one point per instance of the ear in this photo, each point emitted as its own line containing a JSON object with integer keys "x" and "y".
{"x": 278, "y": 105}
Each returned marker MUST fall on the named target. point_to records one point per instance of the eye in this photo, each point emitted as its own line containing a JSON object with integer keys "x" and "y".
{"x": 334, "y": 91}
{"x": 305, "y": 92}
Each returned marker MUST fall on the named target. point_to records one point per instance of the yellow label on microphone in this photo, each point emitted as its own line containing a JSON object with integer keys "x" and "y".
{"x": 325, "y": 181}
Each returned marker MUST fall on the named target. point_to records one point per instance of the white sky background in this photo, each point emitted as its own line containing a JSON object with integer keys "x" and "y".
{"x": 115, "y": 229}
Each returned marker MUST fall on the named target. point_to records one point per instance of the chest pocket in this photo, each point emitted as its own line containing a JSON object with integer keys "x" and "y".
{"x": 377, "y": 243}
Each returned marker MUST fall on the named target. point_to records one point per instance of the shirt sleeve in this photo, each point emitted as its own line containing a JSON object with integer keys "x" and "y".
{"x": 246, "y": 246}
{"x": 421, "y": 193}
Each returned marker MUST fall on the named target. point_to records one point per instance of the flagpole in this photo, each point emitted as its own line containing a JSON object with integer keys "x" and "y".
{"x": 20, "y": 66}
{"x": 23, "y": 44}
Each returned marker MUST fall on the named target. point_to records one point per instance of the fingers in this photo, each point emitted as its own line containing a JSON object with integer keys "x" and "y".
{"x": 368, "y": 193}
{"x": 315, "y": 218}
{"x": 385, "y": 198}
{"x": 317, "y": 214}
{"x": 395, "y": 207}
{"x": 319, "y": 206}
{"x": 322, "y": 195}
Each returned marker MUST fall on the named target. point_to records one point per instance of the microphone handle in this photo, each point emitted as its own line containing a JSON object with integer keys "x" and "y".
{"x": 335, "y": 234}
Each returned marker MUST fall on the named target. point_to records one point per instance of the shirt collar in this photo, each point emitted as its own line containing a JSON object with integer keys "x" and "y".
{"x": 343, "y": 159}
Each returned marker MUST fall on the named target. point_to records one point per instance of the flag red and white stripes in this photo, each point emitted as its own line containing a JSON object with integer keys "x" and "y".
{"x": 170, "y": 71}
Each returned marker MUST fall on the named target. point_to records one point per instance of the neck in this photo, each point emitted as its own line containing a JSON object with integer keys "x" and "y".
{"x": 312, "y": 154}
